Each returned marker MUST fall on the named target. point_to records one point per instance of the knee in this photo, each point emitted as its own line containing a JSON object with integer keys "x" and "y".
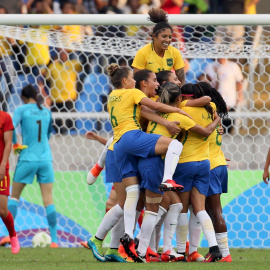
{"x": 110, "y": 203}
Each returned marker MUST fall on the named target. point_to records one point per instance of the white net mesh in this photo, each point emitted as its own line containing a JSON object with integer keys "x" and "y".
{"x": 38, "y": 55}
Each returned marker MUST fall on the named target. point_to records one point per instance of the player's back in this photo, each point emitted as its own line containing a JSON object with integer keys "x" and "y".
{"x": 36, "y": 126}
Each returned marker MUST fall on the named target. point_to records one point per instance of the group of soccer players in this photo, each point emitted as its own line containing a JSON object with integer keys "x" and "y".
{"x": 149, "y": 155}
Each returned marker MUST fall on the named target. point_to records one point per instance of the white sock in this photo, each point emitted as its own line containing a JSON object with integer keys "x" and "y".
{"x": 170, "y": 225}
{"x": 147, "y": 228}
{"x": 138, "y": 213}
{"x": 109, "y": 221}
{"x": 181, "y": 232}
{"x": 207, "y": 227}
{"x": 162, "y": 212}
{"x": 195, "y": 230}
{"x": 222, "y": 240}
{"x": 132, "y": 197}
{"x": 117, "y": 231}
{"x": 102, "y": 158}
{"x": 171, "y": 159}
{"x": 152, "y": 243}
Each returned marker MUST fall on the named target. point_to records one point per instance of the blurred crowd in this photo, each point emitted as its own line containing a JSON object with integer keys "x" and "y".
{"x": 72, "y": 81}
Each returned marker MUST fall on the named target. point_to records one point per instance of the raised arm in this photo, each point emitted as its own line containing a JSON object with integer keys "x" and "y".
{"x": 198, "y": 102}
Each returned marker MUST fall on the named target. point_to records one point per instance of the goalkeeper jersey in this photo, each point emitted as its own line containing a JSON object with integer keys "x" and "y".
{"x": 36, "y": 127}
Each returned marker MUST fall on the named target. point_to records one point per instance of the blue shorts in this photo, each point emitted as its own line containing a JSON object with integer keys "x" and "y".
{"x": 218, "y": 180}
{"x": 112, "y": 171}
{"x": 193, "y": 174}
{"x": 134, "y": 143}
{"x": 26, "y": 171}
{"x": 151, "y": 172}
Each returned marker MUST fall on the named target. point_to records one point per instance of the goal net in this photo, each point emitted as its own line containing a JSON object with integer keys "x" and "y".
{"x": 67, "y": 65}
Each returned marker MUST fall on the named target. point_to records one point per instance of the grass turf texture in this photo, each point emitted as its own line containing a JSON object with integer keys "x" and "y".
{"x": 81, "y": 258}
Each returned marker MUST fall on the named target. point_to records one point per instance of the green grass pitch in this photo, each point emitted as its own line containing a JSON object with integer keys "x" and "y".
{"x": 81, "y": 258}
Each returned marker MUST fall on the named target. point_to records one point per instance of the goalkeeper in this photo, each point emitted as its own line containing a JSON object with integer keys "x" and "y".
{"x": 35, "y": 155}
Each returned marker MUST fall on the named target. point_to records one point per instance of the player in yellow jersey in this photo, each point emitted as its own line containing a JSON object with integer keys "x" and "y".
{"x": 193, "y": 170}
{"x": 146, "y": 81}
{"x": 218, "y": 176}
{"x": 151, "y": 170}
{"x": 159, "y": 55}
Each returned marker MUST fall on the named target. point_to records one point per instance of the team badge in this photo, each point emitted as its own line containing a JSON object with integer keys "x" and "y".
{"x": 170, "y": 62}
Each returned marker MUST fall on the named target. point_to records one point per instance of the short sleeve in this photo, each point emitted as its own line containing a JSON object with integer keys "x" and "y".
{"x": 138, "y": 95}
{"x": 186, "y": 123}
{"x": 178, "y": 59}
{"x": 139, "y": 60}
{"x": 183, "y": 104}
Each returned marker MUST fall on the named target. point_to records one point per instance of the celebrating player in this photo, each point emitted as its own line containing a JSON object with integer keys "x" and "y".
{"x": 6, "y": 130}
{"x": 36, "y": 160}
{"x": 159, "y": 55}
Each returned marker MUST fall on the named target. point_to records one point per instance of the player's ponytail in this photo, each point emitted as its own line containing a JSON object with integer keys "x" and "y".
{"x": 29, "y": 91}
{"x": 117, "y": 73}
{"x": 160, "y": 18}
{"x": 169, "y": 92}
{"x": 216, "y": 98}
{"x": 141, "y": 75}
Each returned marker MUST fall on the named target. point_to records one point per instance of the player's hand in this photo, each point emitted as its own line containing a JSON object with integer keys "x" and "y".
{"x": 220, "y": 130}
{"x": 266, "y": 177}
{"x": 18, "y": 148}
{"x": 90, "y": 135}
{"x": 173, "y": 127}
{"x": 184, "y": 113}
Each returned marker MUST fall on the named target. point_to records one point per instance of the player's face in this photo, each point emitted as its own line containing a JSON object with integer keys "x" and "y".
{"x": 129, "y": 82}
{"x": 163, "y": 39}
{"x": 152, "y": 85}
{"x": 173, "y": 78}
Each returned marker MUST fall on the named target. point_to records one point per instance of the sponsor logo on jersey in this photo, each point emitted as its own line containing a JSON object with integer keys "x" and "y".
{"x": 170, "y": 62}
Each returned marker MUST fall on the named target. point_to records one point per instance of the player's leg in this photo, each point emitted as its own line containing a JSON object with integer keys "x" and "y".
{"x": 6, "y": 215}
{"x": 170, "y": 223}
{"x": 173, "y": 150}
{"x": 98, "y": 167}
{"x": 218, "y": 185}
{"x": 45, "y": 178}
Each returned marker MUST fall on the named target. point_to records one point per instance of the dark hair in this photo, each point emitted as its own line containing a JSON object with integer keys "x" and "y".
{"x": 169, "y": 91}
{"x": 117, "y": 73}
{"x": 163, "y": 76}
{"x": 29, "y": 91}
{"x": 160, "y": 18}
{"x": 216, "y": 98}
{"x": 196, "y": 91}
{"x": 141, "y": 75}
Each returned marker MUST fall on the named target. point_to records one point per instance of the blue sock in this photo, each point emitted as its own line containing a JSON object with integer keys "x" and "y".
{"x": 51, "y": 217}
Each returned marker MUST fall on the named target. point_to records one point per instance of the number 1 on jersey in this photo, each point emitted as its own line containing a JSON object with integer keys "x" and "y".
{"x": 39, "y": 130}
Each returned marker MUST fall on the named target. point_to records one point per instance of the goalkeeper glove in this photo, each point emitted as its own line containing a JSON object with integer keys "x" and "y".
{"x": 17, "y": 148}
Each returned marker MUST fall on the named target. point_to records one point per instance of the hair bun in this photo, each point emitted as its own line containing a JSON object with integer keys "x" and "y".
{"x": 157, "y": 15}
{"x": 112, "y": 69}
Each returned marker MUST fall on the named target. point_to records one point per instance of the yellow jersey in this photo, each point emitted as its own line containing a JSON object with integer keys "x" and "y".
{"x": 124, "y": 110}
{"x": 216, "y": 155}
{"x": 63, "y": 79}
{"x": 251, "y": 9}
{"x": 147, "y": 58}
{"x": 185, "y": 123}
{"x": 196, "y": 147}
{"x": 5, "y": 47}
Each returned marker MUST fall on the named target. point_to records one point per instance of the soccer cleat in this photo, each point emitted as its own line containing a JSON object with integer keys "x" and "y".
{"x": 187, "y": 247}
{"x": 93, "y": 174}
{"x": 54, "y": 245}
{"x": 226, "y": 259}
{"x": 15, "y": 245}
{"x": 152, "y": 256}
{"x": 170, "y": 185}
{"x": 123, "y": 253}
{"x": 171, "y": 256}
{"x": 129, "y": 247}
{"x": 142, "y": 258}
{"x": 195, "y": 257}
{"x": 4, "y": 241}
{"x": 112, "y": 255}
{"x": 84, "y": 244}
{"x": 96, "y": 246}
{"x": 213, "y": 255}
{"x": 17, "y": 148}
